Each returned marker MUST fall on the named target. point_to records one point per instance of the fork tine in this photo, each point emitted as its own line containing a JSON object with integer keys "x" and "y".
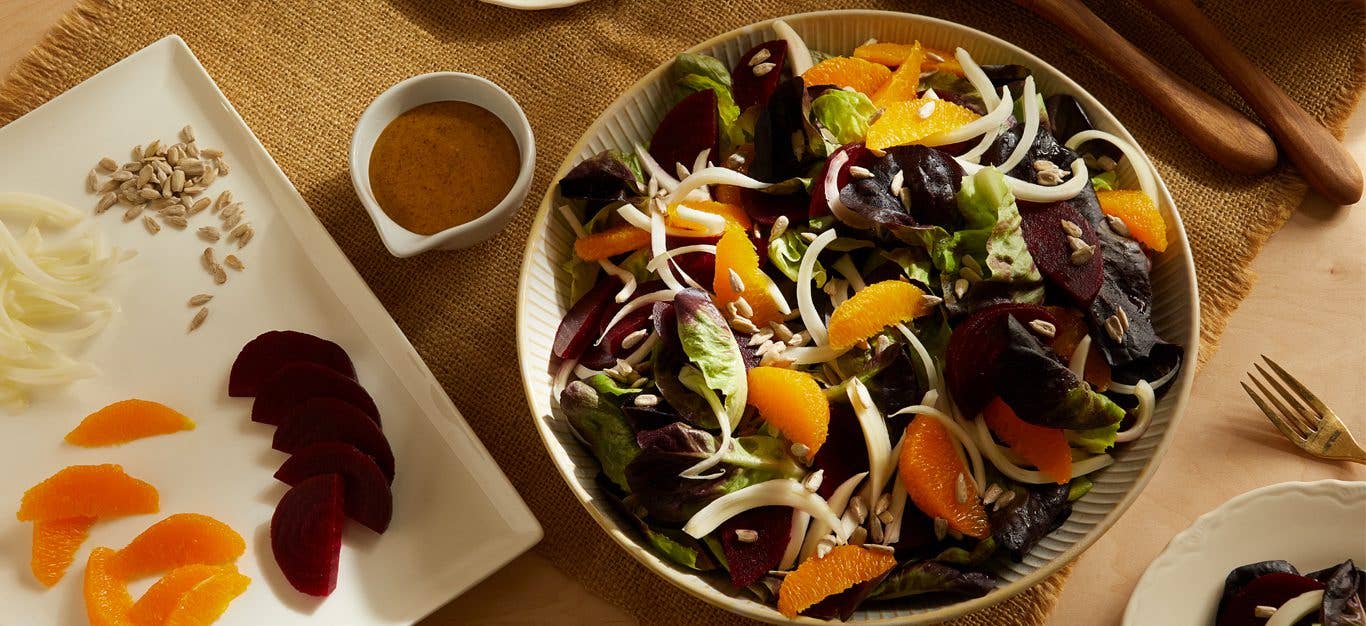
{"x": 1304, "y": 393}
{"x": 1286, "y": 429}
{"x": 1308, "y": 418}
{"x": 1282, "y": 412}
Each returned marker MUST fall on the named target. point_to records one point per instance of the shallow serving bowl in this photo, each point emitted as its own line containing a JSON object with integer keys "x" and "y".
{"x": 542, "y": 300}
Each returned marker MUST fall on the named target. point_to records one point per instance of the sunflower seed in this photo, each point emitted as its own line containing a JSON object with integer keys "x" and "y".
{"x": 931, "y": 300}
{"x": 107, "y": 200}
{"x": 109, "y": 165}
{"x": 207, "y": 179}
{"x": 775, "y": 358}
{"x": 875, "y": 533}
{"x": 960, "y": 488}
{"x": 759, "y": 57}
{"x": 1117, "y": 225}
{"x": 232, "y": 210}
{"x": 1071, "y": 228}
{"x": 193, "y": 190}
{"x": 886, "y": 517}
{"x": 883, "y": 502}
{"x": 176, "y": 221}
{"x": 187, "y": 133}
{"x": 877, "y": 547}
{"x": 941, "y": 528}
{"x": 121, "y": 176}
{"x": 800, "y": 450}
{"x": 132, "y": 213}
{"x": 1005, "y": 500}
{"x": 869, "y": 42}
{"x": 223, "y": 199}
{"x": 960, "y": 287}
{"x": 211, "y": 153}
{"x": 192, "y": 167}
{"x": 151, "y": 224}
{"x": 898, "y": 180}
{"x": 209, "y": 233}
{"x": 174, "y": 210}
{"x": 200, "y": 300}
{"x": 760, "y": 337}
{"x": 1262, "y": 611}
{"x": 1107, "y": 163}
{"x": 809, "y": 236}
{"x": 823, "y": 547}
{"x": 859, "y": 536}
{"x": 925, "y": 110}
{"x": 634, "y": 339}
{"x": 860, "y": 172}
{"x": 992, "y": 493}
{"x": 736, "y": 284}
{"x": 763, "y": 69}
{"x": 1043, "y": 164}
{"x": 245, "y": 238}
{"x": 813, "y": 481}
{"x": 743, "y": 325}
{"x": 198, "y": 206}
{"x": 166, "y": 191}
{"x": 174, "y": 155}
{"x": 178, "y": 181}
{"x": 1123, "y": 318}
{"x": 745, "y": 535}
{"x": 199, "y": 319}
{"x": 735, "y": 160}
{"x": 231, "y": 222}
{"x": 1043, "y": 328}
{"x": 144, "y": 175}
{"x": 971, "y": 274}
{"x": 92, "y": 182}
{"x": 779, "y": 227}
{"x": 860, "y": 509}
{"x": 905, "y": 198}
{"x": 220, "y": 275}
{"x": 646, "y": 400}
{"x": 1048, "y": 178}
{"x": 1082, "y": 256}
{"x": 799, "y": 339}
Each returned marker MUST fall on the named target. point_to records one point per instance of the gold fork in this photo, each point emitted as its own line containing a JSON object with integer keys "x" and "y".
{"x": 1314, "y": 428}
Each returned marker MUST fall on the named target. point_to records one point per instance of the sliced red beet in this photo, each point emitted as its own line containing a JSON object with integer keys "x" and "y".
{"x": 579, "y": 327}
{"x": 844, "y": 453}
{"x": 974, "y": 347}
{"x": 688, "y": 129}
{"x": 750, "y": 90}
{"x": 1052, "y": 252}
{"x": 324, "y": 420}
{"x": 858, "y": 155}
{"x": 266, "y": 354}
{"x": 749, "y": 561}
{"x": 368, "y": 499}
{"x": 701, "y": 266}
{"x": 305, "y": 534}
{"x": 605, "y": 354}
{"x": 295, "y": 383}
{"x": 765, "y": 208}
{"x": 1272, "y": 589}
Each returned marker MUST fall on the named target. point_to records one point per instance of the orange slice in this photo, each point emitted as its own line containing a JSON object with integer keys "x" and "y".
{"x": 161, "y": 598}
{"x": 819, "y": 578}
{"x": 887, "y": 53}
{"x": 207, "y": 601}
{"x": 734, "y": 251}
{"x": 864, "y": 76}
{"x": 905, "y": 83}
{"x": 179, "y": 540}
{"x": 792, "y": 402}
{"x": 872, "y": 309}
{"x": 88, "y": 491}
{"x": 902, "y": 124}
{"x": 618, "y": 239}
{"x": 106, "y": 596}
{"x": 930, "y": 467}
{"x": 55, "y": 543}
{"x": 1139, "y": 213}
{"x": 126, "y": 420}
{"x": 932, "y": 64}
{"x": 1044, "y": 448}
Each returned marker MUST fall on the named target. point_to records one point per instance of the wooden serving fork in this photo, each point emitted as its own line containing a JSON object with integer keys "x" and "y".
{"x": 1314, "y": 428}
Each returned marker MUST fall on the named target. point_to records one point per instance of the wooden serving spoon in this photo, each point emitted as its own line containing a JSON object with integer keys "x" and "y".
{"x": 1222, "y": 133}
{"x": 1323, "y": 161}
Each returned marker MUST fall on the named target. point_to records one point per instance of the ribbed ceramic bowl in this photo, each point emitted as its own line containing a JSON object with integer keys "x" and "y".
{"x": 542, "y": 301}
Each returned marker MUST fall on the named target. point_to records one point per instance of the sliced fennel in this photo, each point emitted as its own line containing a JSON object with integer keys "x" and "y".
{"x": 801, "y": 520}
{"x": 978, "y": 78}
{"x": 931, "y": 373}
{"x": 712, "y": 176}
{"x": 1077, "y": 362}
{"x": 776, "y": 492}
{"x": 1147, "y": 180}
{"x": 1297, "y": 608}
{"x": 663, "y": 295}
{"x": 797, "y": 52}
{"x": 820, "y": 527}
{"x": 658, "y": 261}
{"x": 876, "y": 440}
{"x": 1146, "y": 400}
{"x": 1031, "y": 128}
{"x": 815, "y": 326}
{"x": 845, "y": 266}
{"x": 658, "y": 246}
{"x": 708, "y": 224}
{"x": 1031, "y": 192}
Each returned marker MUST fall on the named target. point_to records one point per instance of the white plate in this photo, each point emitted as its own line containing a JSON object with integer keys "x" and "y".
{"x": 456, "y": 517}
{"x": 542, "y": 301}
{"x": 1312, "y": 525}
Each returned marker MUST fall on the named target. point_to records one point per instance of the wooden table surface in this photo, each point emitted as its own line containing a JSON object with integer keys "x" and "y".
{"x": 1308, "y": 311}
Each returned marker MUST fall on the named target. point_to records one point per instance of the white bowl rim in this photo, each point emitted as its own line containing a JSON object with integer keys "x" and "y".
{"x": 747, "y": 607}
{"x": 461, "y": 235}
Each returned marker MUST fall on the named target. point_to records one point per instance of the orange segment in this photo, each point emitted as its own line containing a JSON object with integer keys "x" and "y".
{"x": 819, "y": 578}
{"x": 616, "y": 240}
{"x": 179, "y": 540}
{"x": 792, "y": 402}
{"x": 949, "y": 63}
{"x": 156, "y": 605}
{"x": 106, "y": 596}
{"x": 88, "y": 491}
{"x": 1071, "y": 327}
{"x": 733, "y": 213}
{"x": 1044, "y": 448}
{"x": 207, "y": 601}
{"x": 877, "y": 306}
{"x": 125, "y": 421}
{"x": 864, "y": 76}
{"x": 905, "y": 82}
{"x": 930, "y": 467}
{"x": 734, "y": 251}
{"x": 902, "y": 124}
{"x": 887, "y": 53}
{"x": 55, "y": 543}
{"x": 1139, "y": 213}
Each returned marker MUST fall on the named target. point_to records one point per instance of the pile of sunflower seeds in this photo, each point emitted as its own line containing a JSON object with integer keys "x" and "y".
{"x": 166, "y": 184}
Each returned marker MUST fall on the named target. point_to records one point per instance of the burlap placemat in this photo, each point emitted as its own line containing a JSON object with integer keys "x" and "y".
{"x": 300, "y": 72}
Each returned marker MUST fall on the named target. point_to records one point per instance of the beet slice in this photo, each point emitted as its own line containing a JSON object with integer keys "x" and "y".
{"x": 1048, "y": 244}
{"x": 368, "y": 499}
{"x": 577, "y": 329}
{"x": 1272, "y": 589}
{"x": 750, "y": 90}
{"x": 326, "y": 420}
{"x": 605, "y": 354}
{"x": 688, "y": 129}
{"x": 749, "y": 561}
{"x": 295, "y": 383}
{"x": 974, "y": 347}
{"x": 265, "y": 355}
{"x": 305, "y": 534}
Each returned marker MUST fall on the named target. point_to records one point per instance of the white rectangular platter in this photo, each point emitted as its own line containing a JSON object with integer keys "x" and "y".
{"x": 456, "y": 517}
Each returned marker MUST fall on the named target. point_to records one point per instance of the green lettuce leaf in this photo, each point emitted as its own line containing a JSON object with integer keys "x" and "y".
{"x": 786, "y": 251}
{"x": 1094, "y": 440}
{"x": 603, "y": 384}
{"x": 691, "y": 73}
{"x": 912, "y": 579}
{"x": 1104, "y": 181}
{"x": 1078, "y": 488}
{"x": 844, "y": 113}
{"x": 700, "y": 65}
{"x": 710, "y": 345}
{"x": 602, "y": 426}
{"x": 986, "y": 203}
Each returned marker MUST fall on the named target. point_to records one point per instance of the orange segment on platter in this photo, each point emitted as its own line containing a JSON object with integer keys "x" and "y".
{"x": 792, "y": 402}
{"x": 864, "y": 76}
{"x": 930, "y": 467}
{"x": 1044, "y": 448}
{"x": 819, "y": 578}
{"x": 88, "y": 491}
{"x": 872, "y": 309}
{"x": 156, "y": 605}
{"x": 179, "y": 540}
{"x": 734, "y": 251}
{"x": 106, "y": 596}
{"x": 55, "y": 543}
{"x": 1139, "y": 213}
{"x": 902, "y": 124}
{"x": 733, "y": 213}
{"x": 905, "y": 83}
{"x": 616, "y": 240}
{"x": 125, "y": 421}
{"x": 207, "y": 601}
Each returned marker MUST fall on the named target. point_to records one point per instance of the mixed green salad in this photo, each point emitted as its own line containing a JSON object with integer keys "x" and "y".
{"x": 1274, "y": 593}
{"x": 858, "y": 328}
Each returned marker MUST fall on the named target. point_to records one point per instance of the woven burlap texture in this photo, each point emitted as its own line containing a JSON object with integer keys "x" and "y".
{"x": 300, "y": 73}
